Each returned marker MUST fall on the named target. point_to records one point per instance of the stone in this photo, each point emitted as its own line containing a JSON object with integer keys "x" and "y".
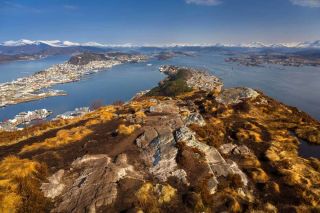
{"x": 230, "y": 148}
{"x": 217, "y": 165}
{"x": 236, "y": 95}
{"x": 227, "y": 148}
{"x": 165, "y": 107}
{"x": 55, "y": 186}
{"x": 195, "y": 118}
{"x": 90, "y": 183}
{"x": 159, "y": 153}
{"x": 149, "y": 134}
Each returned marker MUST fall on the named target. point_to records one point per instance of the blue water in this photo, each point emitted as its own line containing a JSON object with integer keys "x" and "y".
{"x": 13, "y": 70}
{"x": 294, "y": 86}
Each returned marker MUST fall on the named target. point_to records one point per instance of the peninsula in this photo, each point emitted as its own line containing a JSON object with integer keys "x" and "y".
{"x": 37, "y": 86}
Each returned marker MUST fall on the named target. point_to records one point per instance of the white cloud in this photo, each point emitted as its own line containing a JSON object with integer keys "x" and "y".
{"x": 204, "y": 2}
{"x": 306, "y": 3}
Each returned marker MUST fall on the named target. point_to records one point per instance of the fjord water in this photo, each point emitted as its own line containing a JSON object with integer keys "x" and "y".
{"x": 13, "y": 70}
{"x": 295, "y": 86}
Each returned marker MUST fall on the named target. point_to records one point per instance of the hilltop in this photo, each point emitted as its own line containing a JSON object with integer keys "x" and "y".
{"x": 187, "y": 145}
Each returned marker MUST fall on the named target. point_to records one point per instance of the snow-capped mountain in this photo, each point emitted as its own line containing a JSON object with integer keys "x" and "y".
{"x": 53, "y": 43}
{"x": 309, "y": 44}
{"x": 58, "y": 43}
{"x": 313, "y": 44}
{"x": 20, "y": 42}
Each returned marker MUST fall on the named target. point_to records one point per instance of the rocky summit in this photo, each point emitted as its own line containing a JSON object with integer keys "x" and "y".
{"x": 187, "y": 145}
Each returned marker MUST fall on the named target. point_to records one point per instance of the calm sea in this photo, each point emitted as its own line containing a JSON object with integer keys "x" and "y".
{"x": 295, "y": 86}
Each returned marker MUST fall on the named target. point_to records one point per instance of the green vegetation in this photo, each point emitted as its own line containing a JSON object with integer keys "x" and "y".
{"x": 173, "y": 86}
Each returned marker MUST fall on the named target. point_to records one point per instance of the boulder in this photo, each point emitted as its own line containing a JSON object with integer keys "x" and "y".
{"x": 236, "y": 95}
{"x": 195, "y": 118}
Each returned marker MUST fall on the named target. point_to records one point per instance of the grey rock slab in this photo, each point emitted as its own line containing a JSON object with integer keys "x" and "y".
{"x": 91, "y": 183}
{"x": 236, "y": 95}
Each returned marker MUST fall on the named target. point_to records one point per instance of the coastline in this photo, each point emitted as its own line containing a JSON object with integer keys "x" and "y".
{"x": 35, "y": 87}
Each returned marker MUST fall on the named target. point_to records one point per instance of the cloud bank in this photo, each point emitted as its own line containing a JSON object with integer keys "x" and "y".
{"x": 306, "y": 3}
{"x": 204, "y": 2}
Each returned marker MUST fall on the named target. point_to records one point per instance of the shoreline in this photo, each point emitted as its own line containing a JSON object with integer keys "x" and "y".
{"x": 37, "y": 86}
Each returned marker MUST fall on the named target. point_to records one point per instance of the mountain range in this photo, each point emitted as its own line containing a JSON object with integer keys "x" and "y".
{"x": 58, "y": 43}
{"x": 28, "y": 49}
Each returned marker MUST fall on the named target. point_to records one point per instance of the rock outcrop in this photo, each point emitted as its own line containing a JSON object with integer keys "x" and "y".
{"x": 199, "y": 150}
{"x": 217, "y": 165}
{"x": 236, "y": 95}
{"x": 90, "y": 183}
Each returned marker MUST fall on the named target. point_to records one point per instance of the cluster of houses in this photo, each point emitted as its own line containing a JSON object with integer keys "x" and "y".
{"x": 24, "y": 118}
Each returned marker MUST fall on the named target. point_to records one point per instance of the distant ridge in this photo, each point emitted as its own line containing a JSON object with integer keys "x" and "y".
{"x": 58, "y": 43}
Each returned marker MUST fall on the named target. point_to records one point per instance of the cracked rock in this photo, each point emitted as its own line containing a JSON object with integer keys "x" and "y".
{"x": 90, "y": 183}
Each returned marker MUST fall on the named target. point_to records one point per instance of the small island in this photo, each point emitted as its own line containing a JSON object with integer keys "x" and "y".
{"x": 295, "y": 60}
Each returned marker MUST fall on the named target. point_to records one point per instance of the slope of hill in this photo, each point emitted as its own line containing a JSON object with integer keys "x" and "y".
{"x": 204, "y": 149}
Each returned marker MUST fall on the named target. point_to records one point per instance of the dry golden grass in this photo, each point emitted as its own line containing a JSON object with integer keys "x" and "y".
{"x": 18, "y": 178}
{"x": 259, "y": 176}
{"x": 103, "y": 114}
{"x": 151, "y": 197}
{"x": 310, "y": 133}
{"x": 140, "y": 105}
{"x": 106, "y": 116}
{"x": 140, "y": 114}
{"x": 127, "y": 130}
{"x": 62, "y": 138}
{"x": 167, "y": 193}
{"x": 244, "y": 135}
{"x": 92, "y": 122}
{"x": 9, "y": 138}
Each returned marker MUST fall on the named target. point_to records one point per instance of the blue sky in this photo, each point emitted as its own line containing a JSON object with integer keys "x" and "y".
{"x": 161, "y": 21}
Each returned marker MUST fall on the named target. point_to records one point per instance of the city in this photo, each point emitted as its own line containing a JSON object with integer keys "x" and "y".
{"x": 37, "y": 86}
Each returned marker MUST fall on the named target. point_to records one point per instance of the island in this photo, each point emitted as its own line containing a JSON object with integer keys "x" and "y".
{"x": 295, "y": 60}
{"x": 37, "y": 86}
{"x": 166, "y": 55}
{"x": 18, "y": 57}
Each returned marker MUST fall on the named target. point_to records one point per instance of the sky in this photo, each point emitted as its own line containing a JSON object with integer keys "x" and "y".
{"x": 161, "y": 21}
